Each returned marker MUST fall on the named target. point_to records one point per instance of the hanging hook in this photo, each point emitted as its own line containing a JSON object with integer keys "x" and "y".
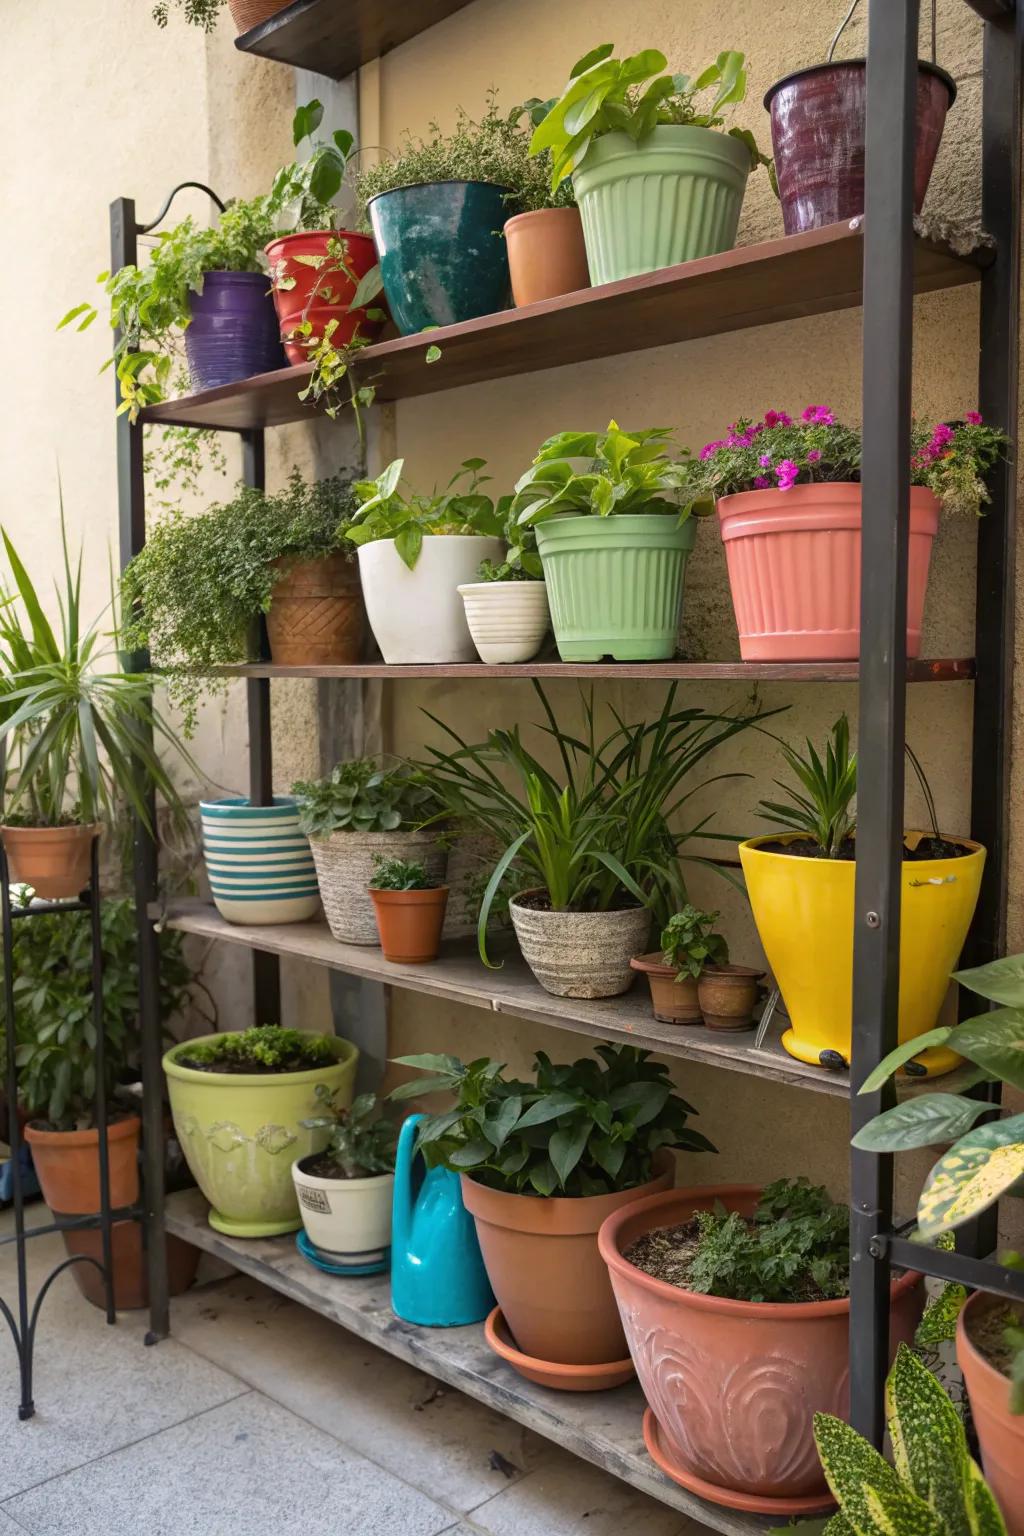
{"x": 935, "y": 32}
{"x": 842, "y": 28}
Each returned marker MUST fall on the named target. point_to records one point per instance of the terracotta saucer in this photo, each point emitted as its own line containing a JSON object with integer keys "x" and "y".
{"x": 548, "y": 1373}
{"x": 752, "y": 1503}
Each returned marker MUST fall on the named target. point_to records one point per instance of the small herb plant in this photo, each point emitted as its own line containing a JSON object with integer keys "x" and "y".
{"x": 601, "y": 473}
{"x": 386, "y": 512}
{"x": 362, "y": 1141}
{"x": 199, "y": 583}
{"x": 689, "y": 942}
{"x": 776, "y": 453}
{"x": 361, "y": 796}
{"x": 400, "y": 875}
{"x": 633, "y": 96}
{"x": 265, "y": 1048}
{"x": 587, "y": 1129}
{"x": 821, "y": 808}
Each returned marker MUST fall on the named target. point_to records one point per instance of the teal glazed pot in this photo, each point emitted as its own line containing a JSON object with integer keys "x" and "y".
{"x": 442, "y": 254}
{"x": 615, "y": 584}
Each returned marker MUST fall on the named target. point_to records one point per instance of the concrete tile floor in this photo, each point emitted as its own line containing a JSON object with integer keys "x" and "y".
{"x": 259, "y": 1415}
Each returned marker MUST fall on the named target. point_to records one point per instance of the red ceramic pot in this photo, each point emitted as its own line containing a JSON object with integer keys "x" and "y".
{"x": 320, "y": 293}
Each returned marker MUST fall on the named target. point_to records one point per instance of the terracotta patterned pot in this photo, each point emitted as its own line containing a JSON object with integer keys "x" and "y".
{"x": 316, "y": 613}
{"x": 247, "y": 14}
{"x": 734, "y": 1385}
{"x": 546, "y": 254}
{"x": 579, "y": 954}
{"x": 1000, "y": 1432}
{"x": 672, "y": 1001}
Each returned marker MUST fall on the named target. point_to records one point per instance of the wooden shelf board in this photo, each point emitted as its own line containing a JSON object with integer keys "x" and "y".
{"x": 761, "y": 284}
{"x": 602, "y": 1427}
{"x": 335, "y": 38}
{"x": 938, "y": 670}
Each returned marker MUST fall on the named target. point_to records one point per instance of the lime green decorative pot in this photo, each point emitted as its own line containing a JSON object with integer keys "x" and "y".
{"x": 240, "y": 1134}
{"x": 673, "y": 197}
{"x": 615, "y": 584}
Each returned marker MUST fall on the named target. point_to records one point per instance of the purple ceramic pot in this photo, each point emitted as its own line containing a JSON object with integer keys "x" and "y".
{"x": 818, "y": 120}
{"x": 234, "y": 331}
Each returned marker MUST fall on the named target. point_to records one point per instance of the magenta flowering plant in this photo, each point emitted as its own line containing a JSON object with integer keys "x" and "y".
{"x": 778, "y": 452}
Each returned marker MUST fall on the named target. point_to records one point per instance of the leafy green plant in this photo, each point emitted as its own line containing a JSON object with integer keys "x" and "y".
{"x": 303, "y": 191}
{"x": 822, "y": 808}
{"x": 521, "y": 562}
{"x": 633, "y": 96}
{"x": 586, "y": 1129}
{"x": 361, "y": 796}
{"x": 197, "y": 13}
{"x": 689, "y": 942}
{"x": 386, "y": 512}
{"x": 597, "y": 837}
{"x": 362, "y": 1140}
{"x": 400, "y": 875}
{"x": 625, "y": 472}
{"x": 263, "y": 1049}
{"x": 934, "y": 1487}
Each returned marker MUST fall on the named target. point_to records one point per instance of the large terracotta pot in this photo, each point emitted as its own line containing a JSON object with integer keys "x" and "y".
{"x": 320, "y": 293}
{"x": 794, "y": 569}
{"x": 316, "y": 613}
{"x": 734, "y": 1385}
{"x": 54, "y": 861}
{"x": 131, "y": 1281}
{"x": 542, "y": 1261}
{"x": 1000, "y": 1432}
{"x": 546, "y": 254}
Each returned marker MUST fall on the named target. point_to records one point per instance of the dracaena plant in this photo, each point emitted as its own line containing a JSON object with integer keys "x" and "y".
{"x": 385, "y": 511}
{"x": 589, "y": 1128}
{"x": 601, "y": 473}
{"x": 689, "y": 942}
{"x": 361, "y": 1139}
{"x": 362, "y": 796}
{"x": 633, "y": 96}
{"x": 820, "y": 806}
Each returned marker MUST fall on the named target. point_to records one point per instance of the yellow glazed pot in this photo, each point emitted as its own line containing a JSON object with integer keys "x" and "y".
{"x": 804, "y": 913}
{"x": 240, "y": 1134}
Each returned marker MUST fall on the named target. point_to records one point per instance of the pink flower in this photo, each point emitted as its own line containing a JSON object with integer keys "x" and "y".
{"x": 762, "y": 482}
{"x": 813, "y": 456}
{"x": 973, "y": 418}
{"x": 819, "y": 415}
{"x": 765, "y": 460}
{"x": 710, "y": 448}
{"x": 786, "y": 474}
{"x": 777, "y": 419}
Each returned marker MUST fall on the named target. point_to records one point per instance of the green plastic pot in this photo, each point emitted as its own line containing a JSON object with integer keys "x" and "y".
{"x": 240, "y": 1134}
{"x": 615, "y": 584}
{"x": 673, "y": 197}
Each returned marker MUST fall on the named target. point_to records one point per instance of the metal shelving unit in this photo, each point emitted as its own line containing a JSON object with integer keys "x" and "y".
{"x": 881, "y": 262}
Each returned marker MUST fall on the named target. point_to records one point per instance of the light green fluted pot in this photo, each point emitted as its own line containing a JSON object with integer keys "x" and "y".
{"x": 615, "y": 584}
{"x": 241, "y": 1132}
{"x": 673, "y": 197}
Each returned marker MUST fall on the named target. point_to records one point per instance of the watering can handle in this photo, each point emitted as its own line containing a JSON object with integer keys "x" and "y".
{"x": 401, "y": 1218}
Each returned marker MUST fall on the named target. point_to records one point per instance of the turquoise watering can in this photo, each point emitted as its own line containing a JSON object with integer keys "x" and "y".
{"x": 437, "y": 1275}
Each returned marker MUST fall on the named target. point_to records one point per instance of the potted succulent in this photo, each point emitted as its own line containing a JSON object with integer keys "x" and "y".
{"x": 507, "y": 606}
{"x": 688, "y": 943}
{"x": 360, "y": 811}
{"x": 800, "y": 881}
{"x": 414, "y": 551}
{"x": 246, "y": 14}
{"x": 546, "y": 253}
{"x": 200, "y": 583}
{"x": 239, "y": 1102}
{"x": 818, "y": 117}
{"x": 983, "y": 1163}
{"x": 735, "y": 1302}
{"x": 409, "y": 907}
{"x": 345, "y": 1190}
{"x": 613, "y": 540}
{"x": 789, "y": 508}
{"x": 62, "y": 691}
{"x": 622, "y": 126}
{"x": 543, "y": 1163}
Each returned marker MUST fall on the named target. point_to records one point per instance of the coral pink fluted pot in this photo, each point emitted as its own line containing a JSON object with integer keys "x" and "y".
{"x": 734, "y": 1385}
{"x": 794, "y": 569}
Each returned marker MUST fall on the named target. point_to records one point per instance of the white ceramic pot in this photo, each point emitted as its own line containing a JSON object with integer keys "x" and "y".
{"x": 580, "y": 954}
{"x": 348, "y": 1219}
{"x": 507, "y": 619}
{"x": 417, "y": 615}
{"x": 346, "y": 863}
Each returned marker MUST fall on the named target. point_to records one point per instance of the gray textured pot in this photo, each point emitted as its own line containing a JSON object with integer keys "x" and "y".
{"x": 345, "y": 866}
{"x": 580, "y": 954}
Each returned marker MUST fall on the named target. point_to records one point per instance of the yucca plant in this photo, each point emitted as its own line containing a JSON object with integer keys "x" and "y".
{"x": 823, "y": 812}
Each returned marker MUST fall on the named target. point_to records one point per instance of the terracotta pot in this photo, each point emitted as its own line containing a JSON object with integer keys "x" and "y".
{"x": 794, "y": 569}
{"x": 547, "y": 1373}
{"x": 579, "y": 954}
{"x": 247, "y": 14}
{"x": 734, "y": 1384}
{"x": 131, "y": 1283}
{"x": 542, "y": 1261}
{"x": 1000, "y": 1432}
{"x": 672, "y": 1001}
{"x": 546, "y": 254}
{"x": 316, "y": 613}
{"x": 319, "y": 295}
{"x": 728, "y": 994}
{"x": 410, "y": 923}
{"x": 67, "y": 1165}
{"x": 54, "y": 861}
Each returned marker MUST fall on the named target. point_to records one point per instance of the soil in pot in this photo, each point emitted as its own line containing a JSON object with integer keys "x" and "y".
{"x": 578, "y": 954}
{"x": 672, "y": 1001}
{"x": 316, "y": 613}
{"x": 410, "y": 923}
{"x": 728, "y": 995}
{"x": 54, "y": 861}
{"x": 985, "y": 1358}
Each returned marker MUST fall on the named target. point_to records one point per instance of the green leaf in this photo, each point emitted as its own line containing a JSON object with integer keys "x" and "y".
{"x": 326, "y": 177}
{"x": 869, "y": 1492}
{"x": 343, "y": 142}
{"x": 983, "y": 1165}
{"x": 901, "y": 1055}
{"x": 433, "y": 354}
{"x": 369, "y": 286}
{"x": 995, "y": 1041}
{"x": 932, "y": 1119}
{"x": 595, "y": 56}
{"x": 408, "y": 543}
{"x": 497, "y": 1127}
{"x": 565, "y": 1147}
{"x": 928, "y": 1441}
{"x": 543, "y": 1178}
{"x": 548, "y": 1108}
{"x": 1001, "y": 981}
{"x": 307, "y": 120}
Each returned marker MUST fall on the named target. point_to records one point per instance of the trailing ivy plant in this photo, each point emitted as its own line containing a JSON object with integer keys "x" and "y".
{"x": 589, "y": 1128}
{"x": 362, "y": 1141}
{"x": 385, "y": 511}
{"x": 689, "y": 942}
{"x": 362, "y": 796}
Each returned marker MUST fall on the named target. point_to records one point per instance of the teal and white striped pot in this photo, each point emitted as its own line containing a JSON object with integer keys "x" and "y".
{"x": 673, "y": 197}
{"x": 259, "y": 864}
{"x": 615, "y": 584}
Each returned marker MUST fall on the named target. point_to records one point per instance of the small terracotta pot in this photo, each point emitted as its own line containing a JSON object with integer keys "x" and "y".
{"x": 550, "y": 1281}
{"x": 673, "y": 1002}
{"x": 316, "y": 296}
{"x": 247, "y": 14}
{"x": 728, "y": 994}
{"x": 546, "y": 254}
{"x": 734, "y": 1385}
{"x": 410, "y": 923}
{"x": 316, "y": 613}
{"x": 67, "y": 1165}
{"x": 54, "y": 861}
{"x": 1000, "y": 1432}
